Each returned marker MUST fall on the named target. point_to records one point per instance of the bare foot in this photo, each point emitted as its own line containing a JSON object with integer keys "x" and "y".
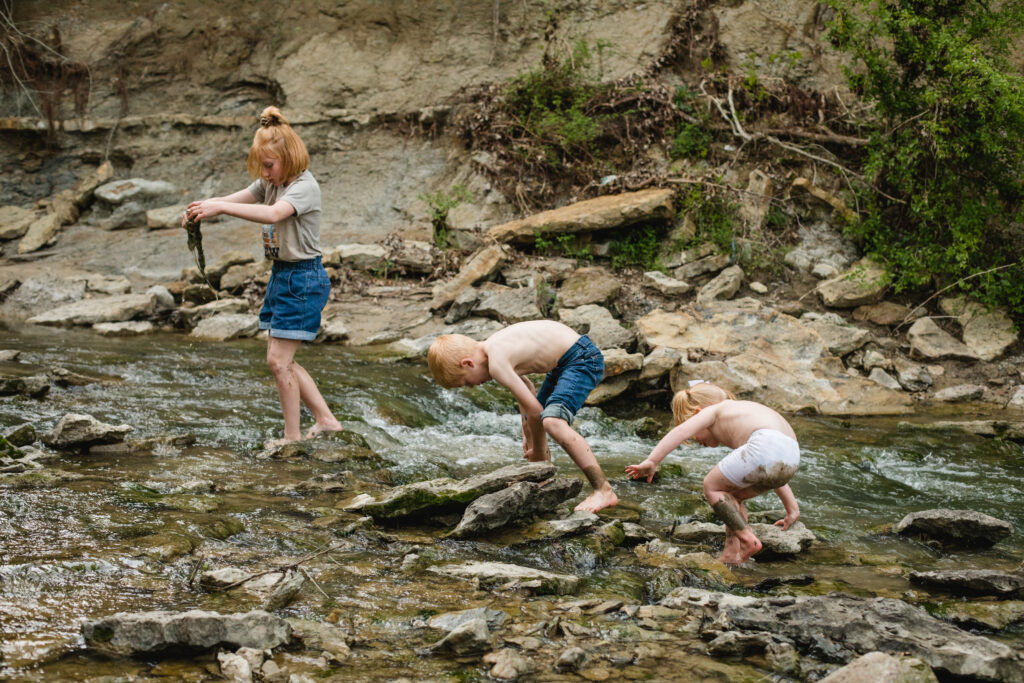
{"x": 318, "y": 429}
{"x": 598, "y": 500}
{"x": 747, "y": 548}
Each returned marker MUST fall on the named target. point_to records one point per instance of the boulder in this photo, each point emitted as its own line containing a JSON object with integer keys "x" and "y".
{"x": 519, "y": 501}
{"x": 77, "y": 431}
{"x": 955, "y": 528}
{"x": 444, "y": 495}
{"x": 590, "y": 285}
{"x": 118, "y": 308}
{"x": 971, "y": 582}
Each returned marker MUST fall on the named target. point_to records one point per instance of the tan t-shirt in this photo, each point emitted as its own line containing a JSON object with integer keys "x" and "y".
{"x": 297, "y": 237}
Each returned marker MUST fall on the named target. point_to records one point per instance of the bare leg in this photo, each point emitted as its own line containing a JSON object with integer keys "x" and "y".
{"x": 280, "y": 355}
{"x": 314, "y": 400}
{"x": 577, "y": 448}
{"x": 726, "y": 499}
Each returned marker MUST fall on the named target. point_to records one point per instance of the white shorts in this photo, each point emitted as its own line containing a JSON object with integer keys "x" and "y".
{"x": 767, "y": 460}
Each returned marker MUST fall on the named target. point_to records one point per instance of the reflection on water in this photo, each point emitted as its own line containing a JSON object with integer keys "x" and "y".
{"x": 87, "y": 546}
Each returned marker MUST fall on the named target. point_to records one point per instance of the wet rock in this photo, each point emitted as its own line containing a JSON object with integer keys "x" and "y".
{"x": 326, "y": 638}
{"x": 508, "y": 665}
{"x": 452, "y": 620}
{"x": 132, "y": 328}
{"x": 224, "y": 577}
{"x": 444, "y": 495}
{"x": 470, "y": 637}
{"x": 518, "y": 501}
{"x": 658, "y": 553}
{"x": 511, "y": 576}
{"x": 33, "y": 386}
{"x": 880, "y": 667}
{"x": 112, "y": 309}
{"x": 131, "y": 633}
{"x": 571, "y": 659}
{"x": 578, "y": 522}
{"x": 601, "y": 213}
{"x": 284, "y": 590}
{"x": 776, "y": 542}
{"x": 736, "y": 644}
{"x": 77, "y": 431}
{"x": 839, "y": 628}
{"x": 22, "y": 435}
{"x": 973, "y": 582}
{"x": 864, "y": 283}
{"x": 955, "y": 528}
{"x": 993, "y": 616}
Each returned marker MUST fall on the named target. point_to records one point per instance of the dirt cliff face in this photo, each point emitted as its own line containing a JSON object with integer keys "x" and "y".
{"x": 174, "y": 88}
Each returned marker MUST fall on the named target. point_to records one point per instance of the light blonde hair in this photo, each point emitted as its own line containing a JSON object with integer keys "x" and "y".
{"x": 444, "y": 355}
{"x": 686, "y": 402}
{"x": 275, "y": 138}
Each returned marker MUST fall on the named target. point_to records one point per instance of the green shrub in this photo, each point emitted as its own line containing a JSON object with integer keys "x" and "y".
{"x": 440, "y": 204}
{"x": 691, "y": 141}
{"x": 945, "y": 161}
{"x": 639, "y": 247}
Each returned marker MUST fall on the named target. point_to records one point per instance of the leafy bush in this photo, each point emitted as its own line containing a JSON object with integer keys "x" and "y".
{"x": 946, "y": 158}
{"x": 691, "y": 141}
{"x": 640, "y": 246}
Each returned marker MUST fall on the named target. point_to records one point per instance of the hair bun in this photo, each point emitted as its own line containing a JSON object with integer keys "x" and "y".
{"x": 268, "y": 121}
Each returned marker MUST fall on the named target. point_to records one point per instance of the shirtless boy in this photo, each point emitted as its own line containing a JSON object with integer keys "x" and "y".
{"x": 573, "y": 365}
{"x": 765, "y": 457}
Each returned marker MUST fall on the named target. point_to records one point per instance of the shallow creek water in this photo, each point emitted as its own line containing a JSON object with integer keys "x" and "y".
{"x": 89, "y": 545}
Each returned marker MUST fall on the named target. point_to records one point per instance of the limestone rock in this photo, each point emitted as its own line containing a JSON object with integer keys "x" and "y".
{"x": 521, "y": 500}
{"x": 609, "y": 211}
{"x": 226, "y": 326}
{"x": 480, "y": 266}
{"x": 511, "y": 575}
{"x": 880, "y": 667}
{"x": 146, "y": 632}
{"x": 928, "y": 340}
{"x": 864, "y": 283}
{"x": 118, "y": 308}
{"x": 956, "y": 528}
{"x": 75, "y": 431}
{"x": 591, "y": 285}
{"x": 600, "y": 325}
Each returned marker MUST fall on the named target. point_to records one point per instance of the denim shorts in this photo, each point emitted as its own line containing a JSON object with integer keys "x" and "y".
{"x": 567, "y": 386}
{"x": 296, "y": 294}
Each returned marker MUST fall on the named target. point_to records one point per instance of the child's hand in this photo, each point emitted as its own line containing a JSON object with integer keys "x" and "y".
{"x": 644, "y": 469}
{"x": 787, "y": 521}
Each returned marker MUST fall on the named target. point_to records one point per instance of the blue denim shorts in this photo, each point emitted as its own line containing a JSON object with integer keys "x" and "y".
{"x": 567, "y": 386}
{"x": 296, "y": 294}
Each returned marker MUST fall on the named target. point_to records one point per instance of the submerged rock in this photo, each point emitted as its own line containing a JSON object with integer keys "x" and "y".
{"x": 498, "y": 574}
{"x": 129, "y": 633}
{"x": 75, "y": 431}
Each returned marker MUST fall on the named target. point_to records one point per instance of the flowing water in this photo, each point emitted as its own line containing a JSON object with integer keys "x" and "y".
{"x": 125, "y": 531}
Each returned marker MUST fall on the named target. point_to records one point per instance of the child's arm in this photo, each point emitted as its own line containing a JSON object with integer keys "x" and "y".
{"x": 503, "y": 373}
{"x": 242, "y": 204}
{"x": 785, "y": 494}
{"x": 680, "y": 433}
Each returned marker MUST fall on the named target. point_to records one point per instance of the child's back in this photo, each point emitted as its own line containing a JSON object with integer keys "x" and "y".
{"x": 735, "y": 421}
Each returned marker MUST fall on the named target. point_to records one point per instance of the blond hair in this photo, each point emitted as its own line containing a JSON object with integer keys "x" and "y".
{"x": 686, "y": 402}
{"x": 275, "y": 138}
{"x": 444, "y": 357}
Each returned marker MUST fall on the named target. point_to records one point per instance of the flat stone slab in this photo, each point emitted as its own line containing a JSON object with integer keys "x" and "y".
{"x": 111, "y": 309}
{"x": 498, "y": 574}
{"x": 973, "y": 582}
{"x": 144, "y": 632}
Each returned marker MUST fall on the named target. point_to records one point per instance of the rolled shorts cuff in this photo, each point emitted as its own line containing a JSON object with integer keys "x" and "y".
{"x": 301, "y": 335}
{"x": 557, "y": 410}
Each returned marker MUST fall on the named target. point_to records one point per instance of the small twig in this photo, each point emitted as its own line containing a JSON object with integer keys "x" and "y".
{"x": 283, "y": 569}
{"x": 312, "y": 581}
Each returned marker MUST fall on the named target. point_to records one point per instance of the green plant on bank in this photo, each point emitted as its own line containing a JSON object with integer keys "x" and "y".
{"x": 440, "y": 204}
{"x": 551, "y": 103}
{"x": 690, "y": 140}
{"x": 639, "y": 247}
{"x": 946, "y": 159}
{"x": 562, "y": 244}
{"x": 382, "y": 269}
{"x": 714, "y": 216}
